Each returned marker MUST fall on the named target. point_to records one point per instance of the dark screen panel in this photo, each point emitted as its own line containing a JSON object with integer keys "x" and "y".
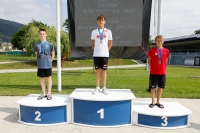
{"x": 124, "y": 19}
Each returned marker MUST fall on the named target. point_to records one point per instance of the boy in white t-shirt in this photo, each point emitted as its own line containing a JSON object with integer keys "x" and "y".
{"x": 101, "y": 40}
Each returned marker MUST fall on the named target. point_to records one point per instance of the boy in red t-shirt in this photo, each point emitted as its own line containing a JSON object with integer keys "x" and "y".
{"x": 157, "y": 60}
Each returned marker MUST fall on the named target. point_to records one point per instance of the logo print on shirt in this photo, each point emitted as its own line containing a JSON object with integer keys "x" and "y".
{"x": 98, "y": 36}
{"x": 105, "y": 33}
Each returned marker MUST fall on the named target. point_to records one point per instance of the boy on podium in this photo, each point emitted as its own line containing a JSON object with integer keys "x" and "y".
{"x": 157, "y": 60}
{"x": 101, "y": 41}
{"x": 44, "y": 51}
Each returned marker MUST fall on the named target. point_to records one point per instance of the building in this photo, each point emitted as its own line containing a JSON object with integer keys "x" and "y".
{"x": 6, "y": 44}
{"x": 185, "y": 50}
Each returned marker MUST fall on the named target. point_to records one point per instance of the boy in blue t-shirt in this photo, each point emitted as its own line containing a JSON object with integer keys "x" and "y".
{"x": 44, "y": 52}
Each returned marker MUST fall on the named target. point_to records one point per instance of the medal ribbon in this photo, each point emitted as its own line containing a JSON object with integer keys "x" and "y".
{"x": 101, "y": 34}
{"x": 43, "y": 48}
{"x": 159, "y": 53}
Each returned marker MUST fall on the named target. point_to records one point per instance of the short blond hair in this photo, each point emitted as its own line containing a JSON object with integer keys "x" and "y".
{"x": 159, "y": 36}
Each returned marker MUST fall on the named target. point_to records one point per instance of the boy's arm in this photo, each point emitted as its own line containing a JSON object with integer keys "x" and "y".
{"x": 36, "y": 54}
{"x": 149, "y": 62}
{"x": 52, "y": 55}
{"x": 92, "y": 43}
{"x": 109, "y": 44}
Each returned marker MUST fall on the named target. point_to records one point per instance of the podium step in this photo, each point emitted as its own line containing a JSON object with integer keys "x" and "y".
{"x": 102, "y": 110}
{"x": 172, "y": 116}
{"x": 44, "y": 112}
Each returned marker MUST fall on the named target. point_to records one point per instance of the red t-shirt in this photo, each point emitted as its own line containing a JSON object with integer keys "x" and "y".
{"x": 156, "y": 66}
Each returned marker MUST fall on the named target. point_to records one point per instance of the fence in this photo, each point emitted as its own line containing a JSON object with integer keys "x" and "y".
{"x": 13, "y": 53}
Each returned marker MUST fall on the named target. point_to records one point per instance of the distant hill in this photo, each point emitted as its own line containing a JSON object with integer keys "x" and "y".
{"x": 7, "y": 29}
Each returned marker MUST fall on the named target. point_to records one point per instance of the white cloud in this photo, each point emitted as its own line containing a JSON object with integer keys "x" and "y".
{"x": 23, "y": 11}
{"x": 179, "y": 17}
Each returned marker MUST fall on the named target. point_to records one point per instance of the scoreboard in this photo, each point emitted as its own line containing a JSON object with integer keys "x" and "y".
{"x": 123, "y": 18}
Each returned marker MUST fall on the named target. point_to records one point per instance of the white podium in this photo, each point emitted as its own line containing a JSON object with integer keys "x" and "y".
{"x": 172, "y": 116}
{"x": 103, "y": 110}
{"x": 44, "y": 112}
{"x": 113, "y": 110}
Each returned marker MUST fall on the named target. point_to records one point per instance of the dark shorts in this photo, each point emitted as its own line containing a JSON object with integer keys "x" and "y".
{"x": 159, "y": 80}
{"x": 101, "y": 62}
{"x": 44, "y": 72}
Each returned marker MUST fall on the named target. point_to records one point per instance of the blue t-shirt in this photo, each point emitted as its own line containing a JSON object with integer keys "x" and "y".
{"x": 44, "y": 60}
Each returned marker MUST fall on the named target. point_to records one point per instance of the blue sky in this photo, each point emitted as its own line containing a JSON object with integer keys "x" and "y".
{"x": 180, "y": 17}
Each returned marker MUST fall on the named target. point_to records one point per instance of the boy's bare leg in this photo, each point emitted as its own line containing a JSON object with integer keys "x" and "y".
{"x": 49, "y": 82}
{"x": 153, "y": 95}
{"x": 43, "y": 85}
{"x": 104, "y": 82}
{"x": 103, "y": 78}
{"x": 98, "y": 72}
{"x": 159, "y": 93}
{"x": 97, "y": 89}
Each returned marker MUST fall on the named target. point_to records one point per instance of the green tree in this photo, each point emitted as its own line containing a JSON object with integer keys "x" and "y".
{"x": 7, "y": 48}
{"x": 31, "y": 38}
{"x": 28, "y": 36}
{"x": 18, "y": 39}
{"x": 197, "y": 31}
{"x": 65, "y": 24}
{"x": 151, "y": 44}
{"x": 0, "y": 43}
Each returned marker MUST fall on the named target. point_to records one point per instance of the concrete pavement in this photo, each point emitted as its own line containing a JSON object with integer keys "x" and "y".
{"x": 9, "y": 120}
{"x": 69, "y": 69}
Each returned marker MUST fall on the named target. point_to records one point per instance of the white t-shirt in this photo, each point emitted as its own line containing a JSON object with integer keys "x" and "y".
{"x": 101, "y": 48}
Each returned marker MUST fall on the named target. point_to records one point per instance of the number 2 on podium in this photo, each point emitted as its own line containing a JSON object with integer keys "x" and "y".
{"x": 101, "y": 111}
{"x": 37, "y": 118}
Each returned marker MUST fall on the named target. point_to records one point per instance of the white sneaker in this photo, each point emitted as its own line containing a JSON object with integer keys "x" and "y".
{"x": 104, "y": 90}
{"x": 96, "y": 91}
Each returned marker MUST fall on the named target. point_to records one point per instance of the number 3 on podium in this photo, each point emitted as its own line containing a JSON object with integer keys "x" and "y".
{"x": 101, "y": 111}
{"x": 165, "y": 121}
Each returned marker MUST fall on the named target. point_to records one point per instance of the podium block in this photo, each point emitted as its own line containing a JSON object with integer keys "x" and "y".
{"x": 172, "y": 116}
{"x": 44, "y": 112}
{"x": 102, "y": 110}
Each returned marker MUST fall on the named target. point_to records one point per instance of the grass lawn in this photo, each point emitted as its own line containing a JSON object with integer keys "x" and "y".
{"x": 7, "y": 57}
{"x": 73, "y": 63}
{"x": 179, "y": 84}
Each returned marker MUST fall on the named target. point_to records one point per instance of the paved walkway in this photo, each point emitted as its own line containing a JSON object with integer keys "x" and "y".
{"x": 69, "y": 69}
{"x": 9, "y": 120}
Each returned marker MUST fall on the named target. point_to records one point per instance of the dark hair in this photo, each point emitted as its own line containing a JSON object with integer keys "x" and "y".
{"x": 101, "y": 17}
{"x": 41, "y": 29}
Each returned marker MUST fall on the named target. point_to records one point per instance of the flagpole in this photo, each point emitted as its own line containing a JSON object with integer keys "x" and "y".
{"x": 58, "y": 44}
{"x": 159, "y": 28}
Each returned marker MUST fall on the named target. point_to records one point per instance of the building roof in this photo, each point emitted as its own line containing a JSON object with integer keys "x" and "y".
{"x": 4, "y": 44}
{"x": 189, "y": 39}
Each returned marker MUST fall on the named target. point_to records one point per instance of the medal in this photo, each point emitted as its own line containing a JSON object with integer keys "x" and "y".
{"x": 159, "y": 55}
{"x": 101, "y": 35}
{"x": 43, "y": 47}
